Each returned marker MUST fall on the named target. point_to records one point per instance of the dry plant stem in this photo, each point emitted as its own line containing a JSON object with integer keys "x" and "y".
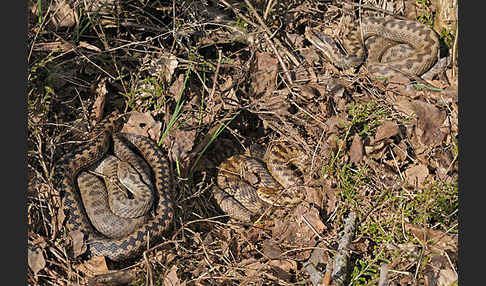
{"x": 315, "y": 276}
{"x": 383, "y": 275}
{"x": 375, "y": 9}
{"x": 215, "y": 80}
{"x": 454, "y": 52}
{"x": 282, "y": 63}
{"x": 267, "y": 36}
{"x": 267, "y": 10}
{"x": 264, "y": 27}
{"x": 238, "y": 13}
{"x": 311, "y": 227}
{"x": 341, "y": 259}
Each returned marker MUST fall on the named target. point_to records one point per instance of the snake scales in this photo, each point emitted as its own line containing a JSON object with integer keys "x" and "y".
{"x": 393, "y": 45}
{"x": 123, "y": 245}
{"x": 248, "y": 183}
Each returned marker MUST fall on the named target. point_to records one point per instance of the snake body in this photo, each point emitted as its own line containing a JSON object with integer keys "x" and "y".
{"x": 393, "y": 45}
{"x": 248, "y": 183}
{"x": 122, "y": 246}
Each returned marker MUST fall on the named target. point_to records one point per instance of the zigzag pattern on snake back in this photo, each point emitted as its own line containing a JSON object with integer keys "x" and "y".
{"x": 248, "y": 183}
{"x": 132, "y": 244}
{"x": 415, "y": 54}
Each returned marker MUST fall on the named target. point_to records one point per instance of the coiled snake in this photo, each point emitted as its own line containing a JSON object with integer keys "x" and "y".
{"x": 393, "y": 45}
{"x": 248, "y": 183}
{"x": 124, "y": 244}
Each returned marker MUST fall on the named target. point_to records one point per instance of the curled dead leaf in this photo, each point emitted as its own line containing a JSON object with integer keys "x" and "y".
{"x": 176, "y": 87}
{"x": 252, "y": 268}
{"x": 143, "y": 124}
{"x": 62, "y": 15}
{"x": 162, "y": 67}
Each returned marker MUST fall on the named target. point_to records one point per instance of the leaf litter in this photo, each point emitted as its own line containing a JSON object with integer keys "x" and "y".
{"x": 372, "y": 148}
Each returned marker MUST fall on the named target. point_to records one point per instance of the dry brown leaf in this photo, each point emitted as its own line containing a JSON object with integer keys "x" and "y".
{"x": 162, "y": 67}
{"x": 62, "y": 15}
{"x": 429, "y": 120}
{"x": 176, "y": 87}
{"x": 99, "y": 104}
{"x": 271, "y": 249}
{"x": 404, "y": 106}
{"x": 122, "y": 277}
{"x": 264, "y": 76}
{"x": 282, "y": 268}
{"x": 57, "y": 46}
{"x": 400, "y": 151}
{"x": 401, "y": 85}
{"x": 78, "y": 243}
{"x": 252, "y": 268}
{"x": 94, "y": 266}
{"x": 315, "y": 195}
{"x": 416, "y": 175}
{"x": 171, "y": 279}
{"x": 386, "y": 130}
{"x": 331, "y": 199}
{"x": 180, "y": 143}
{"x": 446, "y": 277}
{"x": 89, "y": 46}
{"x": 437, "y": 239}
{"x": 300, "y": 230}
{"x": 335, "y": 123}
{"x": 356, "y": 149}
{"x": 311, "y": 215}
{"x": 35, "y": 259}
{"x": 143, "y": 124}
